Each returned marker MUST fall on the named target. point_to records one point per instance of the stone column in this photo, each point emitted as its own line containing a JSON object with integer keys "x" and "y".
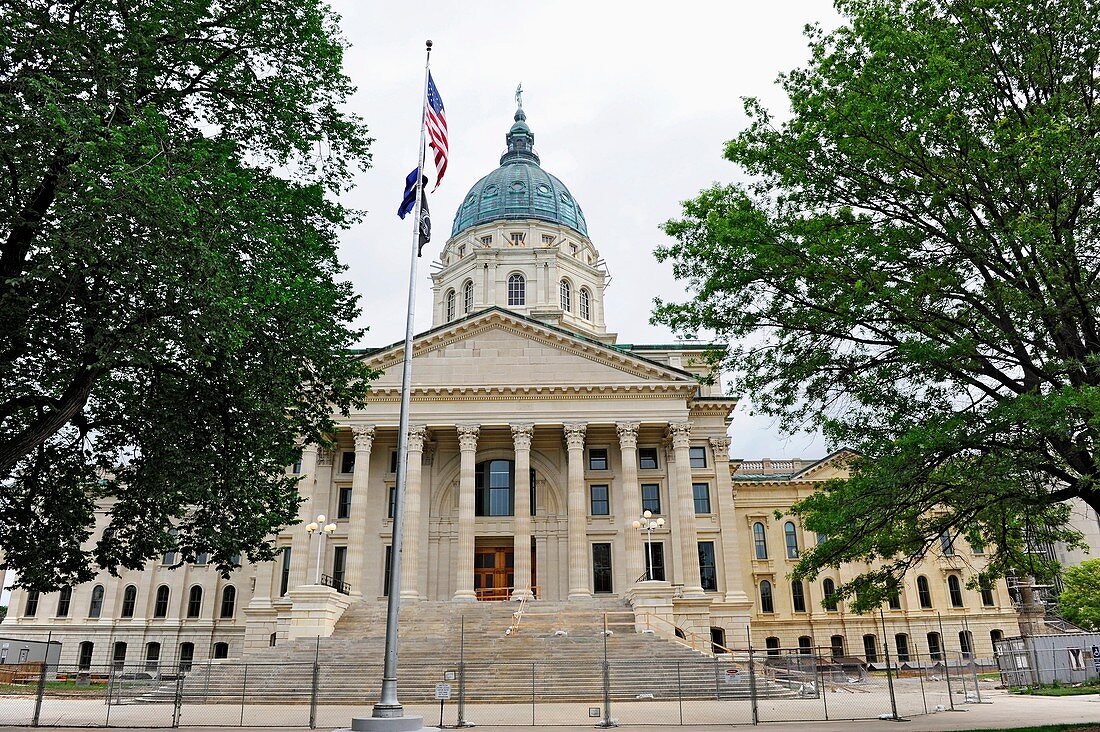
{"x": 410, "y": 553}
{"x": 632, "y": 502}
{"x": 464, "y": 550}
{"x": 723, "y": 486}
{"x": 577, "y": 515}
{"x": 521, "y": 438}
{"x": 357, "y": 523}
{"x": 680, "y": 434}
{"x": 320, "y": 506}
{"x": 299, "y": 542}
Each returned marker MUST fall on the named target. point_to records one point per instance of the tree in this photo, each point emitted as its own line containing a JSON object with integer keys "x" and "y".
{"x": 912, "y": 268}
{"x": 170, "y": 322}
{"x": 1079, "y": 602}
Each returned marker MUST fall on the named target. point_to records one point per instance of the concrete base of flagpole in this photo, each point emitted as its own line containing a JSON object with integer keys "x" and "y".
{"x": 385, "y": 724}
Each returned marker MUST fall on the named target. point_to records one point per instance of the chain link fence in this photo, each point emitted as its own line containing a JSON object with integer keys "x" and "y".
{"x": 741, "y": 688}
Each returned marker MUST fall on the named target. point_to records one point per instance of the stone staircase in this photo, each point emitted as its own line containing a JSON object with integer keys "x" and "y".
{"x": 555, "y": 654}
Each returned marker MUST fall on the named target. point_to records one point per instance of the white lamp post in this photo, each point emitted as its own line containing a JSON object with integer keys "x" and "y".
{"x": 647, "y": 524}
{"x": 322, "y": 529}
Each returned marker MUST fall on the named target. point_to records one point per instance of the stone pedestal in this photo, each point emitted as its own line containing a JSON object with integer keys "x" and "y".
{"x": 314, "y": 612}
{"x": 260, "y": 623}
{"x": 652, "y": 597}
{"x": 693, "y": 615}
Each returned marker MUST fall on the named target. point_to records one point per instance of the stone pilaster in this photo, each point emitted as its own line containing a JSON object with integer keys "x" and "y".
{"x": 680, "y": 435}
{"x": 322, "y": 492}
{"x": 299, "y": 543}
{"x": 410, "y": 554}
{"x": 357, "y": 523}
{"x": 577, "y": 514}
{"x": 521, "y": 439}
{"x": 464, "y": 550}
{"x": 632, "y": 501}
{"x": 723, "y": 485}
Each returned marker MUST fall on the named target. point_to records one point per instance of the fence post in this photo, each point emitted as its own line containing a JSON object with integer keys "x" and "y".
{"x": 313, "y": 685}
{"x": 717, "y": 685}
{"x": 821, "y": 685}
{"x": 889, "y": 677}
{"x": 920, "y": 675}
{"x": 462, "y": 721}
{"x": 244, "y": 692}
{"x": 41, "y": 690}
{"x": 962, "y": 677}
{"x": 974, "y": 674}
{"x": 752, "y": 680}
{"x": 606, "y": 721}
{"x": 946, "y": 662}
{"x": 177, "y": 705}
{"x": 532, "y": 695}
{"x": 679, "y": 693}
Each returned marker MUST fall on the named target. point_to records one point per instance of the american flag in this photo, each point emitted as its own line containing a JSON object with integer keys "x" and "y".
{"x": 436, "y": 120}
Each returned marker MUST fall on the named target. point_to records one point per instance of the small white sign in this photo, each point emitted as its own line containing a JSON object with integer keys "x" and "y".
{"x": 594, "y": 712}
{"x": 450, "y": 675}
{"x": 442, "y": 691}
{"x": 733, "y": 675}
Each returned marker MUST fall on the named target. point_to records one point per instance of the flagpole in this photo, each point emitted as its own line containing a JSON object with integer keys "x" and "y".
{"x": 388, "y": 706}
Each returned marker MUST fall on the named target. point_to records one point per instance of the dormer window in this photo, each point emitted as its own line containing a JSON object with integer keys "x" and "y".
{"x": 461, "y": 250}
{"x": 517, "y": 238}
{"x": 487, "y": 239}
{"x": 547, "y": 239}
{"x": 575, "y": 249}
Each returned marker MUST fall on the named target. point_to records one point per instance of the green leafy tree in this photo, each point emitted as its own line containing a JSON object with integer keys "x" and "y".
{"x": 170, "y": 322}
{"x": 913, "y": 267}
{"x": 1079, "y": 602}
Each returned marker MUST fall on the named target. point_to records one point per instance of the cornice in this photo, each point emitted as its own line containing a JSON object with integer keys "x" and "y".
{"x": 673, "y": 390}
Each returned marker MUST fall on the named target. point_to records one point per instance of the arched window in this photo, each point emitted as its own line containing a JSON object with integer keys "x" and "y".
{"x": 996, "y": 636}
{"x": 923, "y": 593}
{"x": 194, "y": 602}
{"x": 152, "y": 655}
{"x": 966, "y": 643}
{"x": 271, "y": 640}
{"x": 84, "y": 661}
{"x": 954, "y": 589}
{"x": 759, "y": 540}
{"x": 805, "y": 645}
{"x": 836, "y": 646}
{"x": 798, "y": 596}
{"x": 187, "y": 656}
{"x": 517, "y": 290}
{"x": 468, "y": 298}
{"x": 901, "y": 643}
{"x": 95, "y": 606}
{"x": 64, "y": 599}
{"x": 791, "y": 539}
{"x": 772, "y": 644}
{"x": 118, "y": 655}
{"x": 585, "y": 304}
{"x": 221, "y": 650}
{"x": 449, "y": 300}
{"x": 766, "y": 604}
{"x": 229, "y": 601}
{"x": 566, "y": 291}
{"x": 935, "y": 647}
{"x": 129, "y": 600}
{"x": 160, "y": 608}
{"x": 828, "y": 588}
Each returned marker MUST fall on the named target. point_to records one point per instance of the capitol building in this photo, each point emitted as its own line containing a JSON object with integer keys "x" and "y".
{"x": 536, "y": 442}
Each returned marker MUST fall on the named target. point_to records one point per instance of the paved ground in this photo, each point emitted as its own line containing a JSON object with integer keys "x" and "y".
{"x": 1004, "y": 710}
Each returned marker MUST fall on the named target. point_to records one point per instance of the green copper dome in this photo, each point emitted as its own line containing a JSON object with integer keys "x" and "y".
{"x": 519, "y": 189}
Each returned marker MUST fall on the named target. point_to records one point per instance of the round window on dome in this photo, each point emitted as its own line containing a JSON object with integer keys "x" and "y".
{"x": 518, "y": 187}
{"x": 565, "y": 198}
{"x": 471, "y": 200}
{"x": 543, "y": 189}
{"x": 490, "y": 190}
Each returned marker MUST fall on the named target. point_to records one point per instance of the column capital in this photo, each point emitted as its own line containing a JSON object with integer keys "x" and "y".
{"x": 574, "y": 435}
{"x": 522, "y": 434}
{"x": 721, "y": 448}
{"x": 680, "y": 434}
{"x": 417, "y": 436}
{"x": 325, "y": 456}
{"x": 628, "y": 434}
{"x": 467, "y": 437}
{"x": 364, "y": 437}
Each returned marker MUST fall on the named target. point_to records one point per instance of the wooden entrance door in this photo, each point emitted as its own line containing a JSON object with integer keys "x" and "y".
{"x": 494, "y": 572}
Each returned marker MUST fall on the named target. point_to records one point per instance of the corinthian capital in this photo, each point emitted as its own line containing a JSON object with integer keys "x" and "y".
{"x": 417, "y": 435}
{"x": 574, "y": 435}
{"x": 628, "y": 434}
{"x": 721, "y": 448}
{"x": 364, "y": 437}
{"x": 324, "y": 457}
{"x": 680, "y": 434}
{"x": 522, "y": 434}
{"x": 467, "y": 437}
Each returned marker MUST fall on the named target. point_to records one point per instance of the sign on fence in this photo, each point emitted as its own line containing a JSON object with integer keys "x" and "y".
{"x": 1096, "y": 658}
{"x": 442, "y": 691}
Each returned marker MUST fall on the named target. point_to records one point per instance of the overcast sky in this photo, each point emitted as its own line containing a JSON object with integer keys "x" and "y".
{"x": 630, "y": 104}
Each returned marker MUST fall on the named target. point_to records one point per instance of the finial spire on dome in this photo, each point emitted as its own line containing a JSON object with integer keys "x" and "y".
{"x": 520, "y": 139}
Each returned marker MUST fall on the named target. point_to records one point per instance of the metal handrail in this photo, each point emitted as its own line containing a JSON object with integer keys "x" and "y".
{"x": 517, "y": 616}
{"x": 501, "y": 593}
{"x": 708, "y": 645}
{"x": 342, "y": 587}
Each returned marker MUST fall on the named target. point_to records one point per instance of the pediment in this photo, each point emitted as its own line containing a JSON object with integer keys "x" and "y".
{"x": 497, "y": 349}
{"x": 835, "y": 465}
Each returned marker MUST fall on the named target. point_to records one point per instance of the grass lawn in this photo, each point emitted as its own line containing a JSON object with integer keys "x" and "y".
{"x": 96, "y": 686}
{"x": 1092, "y": 687}
{"x": 1050, "y": 728}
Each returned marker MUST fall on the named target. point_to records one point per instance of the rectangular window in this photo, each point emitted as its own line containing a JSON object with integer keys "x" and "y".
{"x": 601, "y": 500}
{"x": 894, "y": 599}
{"x": 339, "y": 561}
{"x": 517, "y": 238}
{"x": 701, "y": 492}
{"x": 651, "y": 497}
{"x": 597, "y": 458}
{"x": 386, "y": 572}
{"x": 547, "y": 239}
{"x": 487, "y": 239}
{"x": 30, "y": 609}
{"x": 947, "y": 544}
{"x": 284, "y": 579}
{"x": 655, "y": 560}
{"x": 647, "y": 458}
{"x": 393, "y": 461}
{"x": 987, "y": 594}
{"x": 798, "y": 596}
{"x": 391, "y": 505}
{"x": 343, "y": 506}
{"x": 297, "y": 467}
{"x": 201, "y": 559}
{"x": 697, "y": 456}
{"x": 347, "y": 462}
{"x": 601, "y": 568}
{"x": 708, "y": 570}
